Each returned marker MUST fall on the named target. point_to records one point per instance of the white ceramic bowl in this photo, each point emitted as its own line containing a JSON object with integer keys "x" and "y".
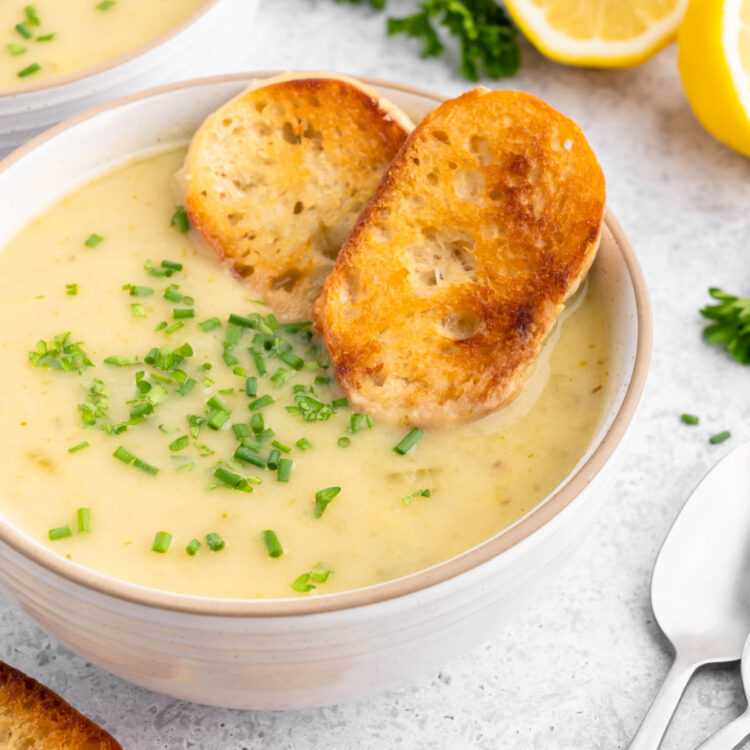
{"x": 214, "y": 39}
{"x": 292, "y": 653}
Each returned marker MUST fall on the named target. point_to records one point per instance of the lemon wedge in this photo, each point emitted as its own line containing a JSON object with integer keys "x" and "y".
{"x": 599, "y": 33}
{"x": 714, "y": 60}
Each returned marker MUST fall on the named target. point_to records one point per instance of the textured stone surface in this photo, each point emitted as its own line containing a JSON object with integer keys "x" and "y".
{"x": 579, "y": 668}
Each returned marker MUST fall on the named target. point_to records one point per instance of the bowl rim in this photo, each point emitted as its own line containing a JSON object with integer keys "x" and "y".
{"x": 8, "y": 92}
{"x": 413, "y": 583}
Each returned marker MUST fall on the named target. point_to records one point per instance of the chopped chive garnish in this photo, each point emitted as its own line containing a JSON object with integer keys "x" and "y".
{"x": 143, "y": 466}
{"x": 267, "y": 434}
{"x": 250, "y": 442}
{"x": 281, "y": 376}
{"x": 340, "y": 403}
{"x": 186, "y": 312}
{"x": 291, "y": 359}
{"x": 689, "y": 418}
{"x": 283, "y": 448}
{"x": 79, "y": 447}
{"x": 31, "y": 16}
{"x": 16, "y": 49}
{"x": 59, "y": 533}
{"x": 93, "y": 240}
{"x": 249, "y": 456}
{"x": 259, "y": 403}
{"x": 187, "y": 386}
{"x": 720, "y": 437}
{"x": 301, "y": 583}
{"x": 137, "y": 310}
{"x": 322, "y": 380}
{"x": 83, "y": 516}
{"x": 216, "y": 403}
{"x": 193, "y": 547}
{"x": 46, "y": 37}
{"x": 251, "y": 386}
{"x": 174, "y": 327}
{"x": 322, "y": 498}
{"x": 161, "y": 326}
{"x": 231, "y": 479}
{"x": 273, "y": 545}
{"x": 215, "y": 542}
{"x": 355, "y": 422}
{"x": 173, "y": 293}
{"x": 257, "y": 423}
{"x": 210, "y": 324}
{"x": 140, "y": 291}
{"x": 118, "y": 360}
{"x": 60, "y": 354}
{"x": 24, "y": 30}
{"x": 285, "y": 470}
{"x": 249, "y": 321}
{"x": 180, "y": 443}
{"x": 217, "y": 418}
{"x": 273, "y": 460}
{"x": 171, "y": 265}
{"x": 181, "y": 222}
{"x": 409, "y": 441}
{"x": 343, "y": 442}
{"x": 260, "y": 365}
{"x": 105, "y": 4}
{"x": 419, "y": 493}
{"x": 124, "y": 455}
{"x": 28, "y": 70}
{"x": 240, "y": 430}
{"x": 303, "y": 444}
{"x": 162, "y": 540}
{"x": 71, "y": 289}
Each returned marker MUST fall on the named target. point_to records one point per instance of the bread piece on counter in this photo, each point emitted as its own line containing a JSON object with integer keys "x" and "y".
{"x": 33, "y": 717}
{"x": 277, "y": 177}
{"x": 486, "y": 221}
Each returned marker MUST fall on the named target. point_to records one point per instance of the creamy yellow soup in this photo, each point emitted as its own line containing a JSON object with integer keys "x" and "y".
{"x": 51, "y": 38}
{"x": 82, "y": 267}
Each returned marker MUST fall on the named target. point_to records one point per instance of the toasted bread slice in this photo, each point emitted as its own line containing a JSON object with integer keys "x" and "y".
{"x": 32, "y": 717}
{"x": 277, "y": 177}
{"x": 487, "y": 219}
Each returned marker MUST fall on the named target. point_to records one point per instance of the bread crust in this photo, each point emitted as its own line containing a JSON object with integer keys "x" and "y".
{"x": 33, "y": 716}
{"x": 277, "y": 177}
{"x": 486, "y": 221}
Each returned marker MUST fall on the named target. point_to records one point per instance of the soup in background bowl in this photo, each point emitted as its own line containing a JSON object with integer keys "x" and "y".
{"x": 60, "y": 58}
{"x": 404, "y": 578}
{"x": 49, "y": 39}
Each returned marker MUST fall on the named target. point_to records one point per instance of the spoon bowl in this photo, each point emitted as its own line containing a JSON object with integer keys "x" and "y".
{"x": 700, "y": 590}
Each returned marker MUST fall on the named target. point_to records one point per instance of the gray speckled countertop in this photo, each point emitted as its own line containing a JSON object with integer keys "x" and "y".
{"x": 580, "y": 667}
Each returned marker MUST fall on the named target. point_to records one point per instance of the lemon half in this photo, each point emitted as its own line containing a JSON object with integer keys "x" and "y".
{"x": 714, "y": 60}
{"x": 599, "y": 33}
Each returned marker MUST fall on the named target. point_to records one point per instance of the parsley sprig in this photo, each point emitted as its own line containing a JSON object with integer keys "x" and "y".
{"x": 487, "y": 37}
{"x": 731, "y": 326}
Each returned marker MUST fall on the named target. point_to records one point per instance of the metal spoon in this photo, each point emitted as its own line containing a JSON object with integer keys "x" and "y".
{"x": 734, "y": 733}
{"x": 700, "y": 591}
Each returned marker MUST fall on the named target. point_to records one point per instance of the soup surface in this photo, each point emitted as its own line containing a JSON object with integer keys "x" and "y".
{"x": 91, "y": 266}
{"x": 52, "y": 38}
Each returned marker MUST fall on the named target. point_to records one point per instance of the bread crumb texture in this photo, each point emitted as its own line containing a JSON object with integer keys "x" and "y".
{"x": 485, "y": 222}
{"x": 278, "y": 176}
{"x": 33, "y": 717}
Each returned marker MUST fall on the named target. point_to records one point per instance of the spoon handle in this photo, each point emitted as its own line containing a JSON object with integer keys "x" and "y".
{"x": 654, "y": 725}
{"x": 730, "y": 736}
